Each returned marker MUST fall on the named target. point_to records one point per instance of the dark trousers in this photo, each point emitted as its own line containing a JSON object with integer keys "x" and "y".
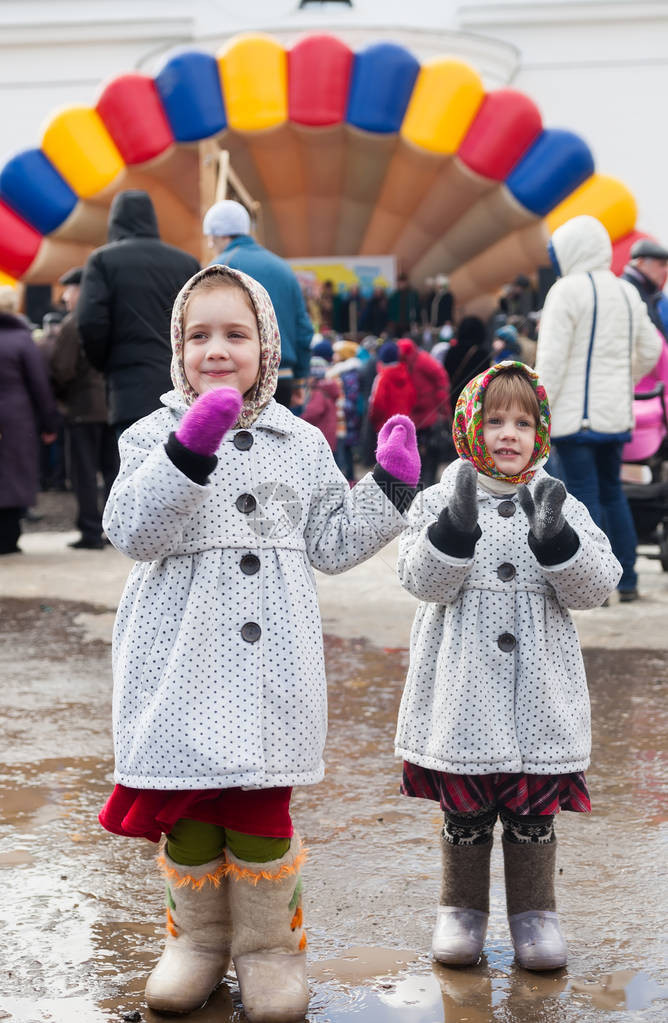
{"x": 429, "y": 456}
{"x": 93, "y": 448}
{"x": 10, "y": 529}
{"x": 592, "y": 474}
{"x": 283, "y": 393}
{"x": 343, "y": 456}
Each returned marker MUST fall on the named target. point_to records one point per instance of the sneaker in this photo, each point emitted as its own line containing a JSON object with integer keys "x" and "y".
{"x": 87, "y": 545}
{"x": 626, "y": 596}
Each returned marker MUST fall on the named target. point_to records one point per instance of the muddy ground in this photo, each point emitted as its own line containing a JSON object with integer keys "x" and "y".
{"x": 81, "y": 911}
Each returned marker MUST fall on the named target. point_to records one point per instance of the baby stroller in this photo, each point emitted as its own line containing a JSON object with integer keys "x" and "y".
{"x": 645, "y": 461}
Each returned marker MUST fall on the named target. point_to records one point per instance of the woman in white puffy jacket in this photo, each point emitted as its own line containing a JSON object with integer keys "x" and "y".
{"x": 595, "y": 341}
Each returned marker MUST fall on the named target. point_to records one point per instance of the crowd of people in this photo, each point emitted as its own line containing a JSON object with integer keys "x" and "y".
{"x": 349, "y": 361}
{"x": 220, "y": 701}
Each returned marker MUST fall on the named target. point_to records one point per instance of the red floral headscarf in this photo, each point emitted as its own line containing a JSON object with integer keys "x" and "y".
{"x": 270, "y": 342}
{"x": 467, "y": 427}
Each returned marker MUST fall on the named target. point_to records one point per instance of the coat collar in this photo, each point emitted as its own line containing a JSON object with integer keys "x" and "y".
{"x": 273, "y": 417}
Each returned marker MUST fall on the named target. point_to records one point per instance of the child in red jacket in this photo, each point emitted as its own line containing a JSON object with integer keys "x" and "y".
{"x": 320, "y": 410}
{"x": 393, "y": 389}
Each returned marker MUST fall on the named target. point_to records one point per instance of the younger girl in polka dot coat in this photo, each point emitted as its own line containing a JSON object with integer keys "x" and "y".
{"x": 495, "y": 717}
{"x": 225, "y": 500}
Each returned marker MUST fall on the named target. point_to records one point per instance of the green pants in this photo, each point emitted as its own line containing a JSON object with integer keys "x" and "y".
{"x": 193, "y": 843}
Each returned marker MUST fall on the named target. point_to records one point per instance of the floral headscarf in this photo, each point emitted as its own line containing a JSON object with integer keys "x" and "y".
{"x": 467, "y": 425}
{"x": 270, "y": 342}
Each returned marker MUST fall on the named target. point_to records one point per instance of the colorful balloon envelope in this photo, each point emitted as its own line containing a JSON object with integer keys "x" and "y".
{"x": 346, "y": 153}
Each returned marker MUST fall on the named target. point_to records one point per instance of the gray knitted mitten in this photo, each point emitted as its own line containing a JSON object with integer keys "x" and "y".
{"x": 463, "y": 506}
{"x": 544, "y": 508}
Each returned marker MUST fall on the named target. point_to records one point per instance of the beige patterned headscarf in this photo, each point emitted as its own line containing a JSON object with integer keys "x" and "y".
{"x": 270, "y": 342}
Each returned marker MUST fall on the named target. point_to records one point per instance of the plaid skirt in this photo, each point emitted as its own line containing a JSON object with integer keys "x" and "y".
{"x": 523, "y": 794}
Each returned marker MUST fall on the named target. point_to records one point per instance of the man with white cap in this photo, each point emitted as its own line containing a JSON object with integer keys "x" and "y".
{"x": 227, "y": 226}
{"x": 647, "y": 272}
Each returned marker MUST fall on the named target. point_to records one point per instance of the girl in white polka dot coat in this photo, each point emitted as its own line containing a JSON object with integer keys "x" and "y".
{"x": 225, "y": 500}
{"x": 495, "y": 715}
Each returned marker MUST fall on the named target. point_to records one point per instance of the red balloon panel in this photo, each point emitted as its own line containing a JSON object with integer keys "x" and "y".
{"x": 134, "y": 116}
{"x": 506, "y": 124}
{"x": 621, "y": 250}
{"x": 318, "y": 77}
{"x": 19, "y": 242}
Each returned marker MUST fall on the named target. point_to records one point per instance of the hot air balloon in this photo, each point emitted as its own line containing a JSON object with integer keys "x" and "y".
{"x": 343, "y": 153}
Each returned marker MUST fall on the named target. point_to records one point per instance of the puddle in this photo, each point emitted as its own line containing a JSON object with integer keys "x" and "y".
{"x": 81, "y": 917}
{"x": 358, "y": 964}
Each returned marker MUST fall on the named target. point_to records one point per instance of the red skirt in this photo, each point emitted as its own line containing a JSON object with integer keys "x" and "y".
{"x": 524, "y": 794}
{"x": 147, "y": 813}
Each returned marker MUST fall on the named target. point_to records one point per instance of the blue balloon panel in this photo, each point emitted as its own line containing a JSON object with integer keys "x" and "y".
{"x": 381, "y": 84}
{"x": 189, "y": 87}
{"x": 555, "y": 165}
{"x": 32, "y": 186}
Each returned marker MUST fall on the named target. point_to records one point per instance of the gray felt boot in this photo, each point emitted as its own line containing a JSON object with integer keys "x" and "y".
{"x": 461, "y": 922}
{"x": 196, "y": 956}
{"x": 269, "y": 940}
{"x": 534, "y": 925}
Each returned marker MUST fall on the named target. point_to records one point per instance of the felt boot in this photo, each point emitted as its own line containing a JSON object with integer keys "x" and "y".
{"x": 196, "y": 956}
{"x": 534, "y": 925}
{"x": 461, "y": 922}
{"x": 269, "y": 940}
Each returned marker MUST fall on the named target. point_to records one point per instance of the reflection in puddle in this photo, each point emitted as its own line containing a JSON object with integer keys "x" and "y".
{"x": 623, "y": 989}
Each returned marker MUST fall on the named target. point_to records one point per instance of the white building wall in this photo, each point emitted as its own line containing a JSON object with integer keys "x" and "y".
{"x": 598, "y": 67}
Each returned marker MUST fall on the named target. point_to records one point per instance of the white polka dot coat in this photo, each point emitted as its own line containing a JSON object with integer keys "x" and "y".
{"x": 496, "y": 681}
{"x": 219, "y": 675}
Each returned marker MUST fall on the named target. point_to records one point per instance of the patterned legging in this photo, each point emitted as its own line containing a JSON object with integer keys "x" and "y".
{"x": 477, "y": 828}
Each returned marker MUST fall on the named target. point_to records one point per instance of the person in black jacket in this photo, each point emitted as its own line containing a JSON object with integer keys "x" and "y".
{"x": 647, "y": 273}
{"x": 123, "y": 314}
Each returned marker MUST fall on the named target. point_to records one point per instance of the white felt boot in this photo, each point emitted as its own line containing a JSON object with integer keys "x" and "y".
{"x": 269, "y": 940}
{"x": 534, "y": 925}
{"x": 461, "y": 922}
{"x": 196, "y": 956}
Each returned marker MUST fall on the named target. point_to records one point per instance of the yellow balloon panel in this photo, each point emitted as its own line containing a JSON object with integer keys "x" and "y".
{"x": 602, "y": 197}
{"x": 443, "y": 103}
{"x": 80, "y": 147}
{"x": 254, "y": 75}
{"x": 5, "y": 280}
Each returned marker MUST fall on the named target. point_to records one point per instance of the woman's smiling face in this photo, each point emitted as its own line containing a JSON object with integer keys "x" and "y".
{"x": 509, "y": 436}
{"x": 221, "y": 340}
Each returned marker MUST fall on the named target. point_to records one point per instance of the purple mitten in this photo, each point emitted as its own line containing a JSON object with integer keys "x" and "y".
{"x": 397, "y": 450}
{"x": 208, "y": 419}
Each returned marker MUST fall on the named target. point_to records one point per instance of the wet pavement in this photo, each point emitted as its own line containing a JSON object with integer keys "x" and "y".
{"x": 81, "y": 913}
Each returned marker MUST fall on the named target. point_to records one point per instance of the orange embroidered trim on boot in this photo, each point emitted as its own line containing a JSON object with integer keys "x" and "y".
{"x": 171, "y": 926}
{"x": 302, "y": 942}
{"x": 179, "y": 880}
{"x": 254, "y": 876}
{"x": 297, "y": 919}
